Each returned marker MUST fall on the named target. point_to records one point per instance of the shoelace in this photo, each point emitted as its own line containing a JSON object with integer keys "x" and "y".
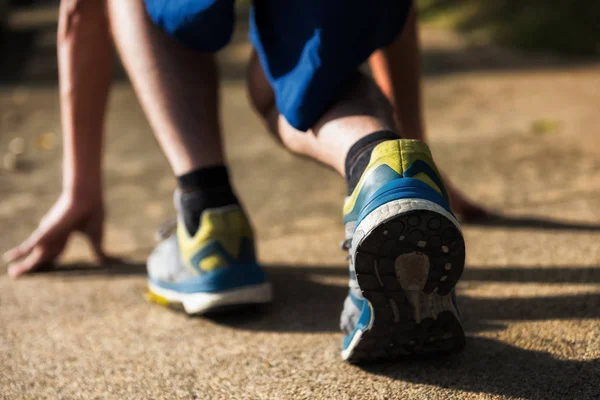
{"x": 345, "y": 246}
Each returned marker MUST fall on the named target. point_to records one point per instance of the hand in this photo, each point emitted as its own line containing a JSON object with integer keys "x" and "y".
{"x": 467, "y": 209}
{"x": 48, "y": 241}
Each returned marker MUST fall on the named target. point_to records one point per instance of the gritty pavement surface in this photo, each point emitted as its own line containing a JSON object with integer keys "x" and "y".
{"x": 518, "y": 133}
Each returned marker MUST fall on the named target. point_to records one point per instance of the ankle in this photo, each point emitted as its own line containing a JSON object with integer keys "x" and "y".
{"x": 359, "y": 155}
{"x": 202, "y": 189}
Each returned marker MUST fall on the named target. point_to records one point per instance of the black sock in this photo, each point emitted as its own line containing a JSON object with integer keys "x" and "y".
{"x": 201, "y": 189}
{"x": 359, "y": 155}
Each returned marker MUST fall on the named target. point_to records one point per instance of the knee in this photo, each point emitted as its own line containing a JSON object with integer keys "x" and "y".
{"x": 360, "y": 97}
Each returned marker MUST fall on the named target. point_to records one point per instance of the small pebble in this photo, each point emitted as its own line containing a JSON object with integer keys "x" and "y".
{"x": 17, "y": 146}
{"x": 9, "y": 162}
{"x": 46, "y": 141}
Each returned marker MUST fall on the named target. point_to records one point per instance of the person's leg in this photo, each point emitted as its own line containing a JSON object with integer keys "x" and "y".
{"x": 209, "y": 262}
{"x": 177, "y": 87}
{"x": 405, "y": 246}
{"x": 361, "y": 110}
{"x": 406, "y": 249}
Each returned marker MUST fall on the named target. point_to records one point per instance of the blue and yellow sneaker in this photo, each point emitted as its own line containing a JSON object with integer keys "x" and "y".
{"x": 213, "y": 270}
{"x": 406, "y": 255}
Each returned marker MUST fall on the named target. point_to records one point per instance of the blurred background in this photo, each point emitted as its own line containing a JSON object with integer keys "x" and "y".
{"x": 559, "y": 26}
{"x": 512, "y": 93}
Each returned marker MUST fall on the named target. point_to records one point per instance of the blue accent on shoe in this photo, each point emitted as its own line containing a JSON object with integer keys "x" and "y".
{"x": 232, "y": 277}
{"x": 378, "y": 177}
{"x": 405, "y": 188}
{"x": 246, "y": 255}
{"x": 357, "y": 301}
{"x": 420, "y": 166}
{"x": 363, "y": 321}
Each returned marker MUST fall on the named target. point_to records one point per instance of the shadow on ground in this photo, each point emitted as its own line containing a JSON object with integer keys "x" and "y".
{"x": 530, "y": 222}
{"x": 490, "y": 366}
{"x": 309, "y": 298}
{"x": 307, "y": 301}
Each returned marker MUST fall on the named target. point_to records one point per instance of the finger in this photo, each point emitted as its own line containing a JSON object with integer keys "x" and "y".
{"x": 468, "y": 210}
{"x": 472, "y": 212}
{"x": 21, "y": 250}
{"x": 99, "y": 251}
{"x": 35, "y": 259}
{"x": 12, "y": 254}
{"x": 33, "y": 240}
{"x": 95, "y": 235}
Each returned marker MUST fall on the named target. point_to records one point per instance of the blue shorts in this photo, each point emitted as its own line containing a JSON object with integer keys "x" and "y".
{"x": 309, "y": 49}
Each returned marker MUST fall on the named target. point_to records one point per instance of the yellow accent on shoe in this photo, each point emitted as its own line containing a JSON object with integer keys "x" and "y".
{"x": 399, "y": 156}
{"x": 154, "y": 298}
{"x": 426, "y": 179}
{"x": 212, "y": 262}
{"x": 227, "y": 225}
{"x": 413, "y": 150}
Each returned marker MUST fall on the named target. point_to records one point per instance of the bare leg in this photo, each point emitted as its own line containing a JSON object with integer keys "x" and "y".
{"x": 177, "y": 87}
{"x": 397, "y": 71}
{"x": 360, "y": 111}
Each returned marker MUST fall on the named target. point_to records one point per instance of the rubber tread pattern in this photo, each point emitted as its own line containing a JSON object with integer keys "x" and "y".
{"x": 395, "y": 332}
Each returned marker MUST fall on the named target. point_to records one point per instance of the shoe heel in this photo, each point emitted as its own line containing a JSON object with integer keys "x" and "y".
{"x": 406, "y": 266}
{"x": 412, "y": 233}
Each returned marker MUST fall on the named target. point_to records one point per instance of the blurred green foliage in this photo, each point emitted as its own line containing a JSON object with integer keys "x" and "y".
{"x": 566, "y": 26}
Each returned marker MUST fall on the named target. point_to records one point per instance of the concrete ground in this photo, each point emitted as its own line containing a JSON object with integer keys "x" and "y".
{"x": 518, "y": 133}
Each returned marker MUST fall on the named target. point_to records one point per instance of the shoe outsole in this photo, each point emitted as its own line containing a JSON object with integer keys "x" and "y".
{"x": 214, "y": 302}
{"x": 407, "y": 267}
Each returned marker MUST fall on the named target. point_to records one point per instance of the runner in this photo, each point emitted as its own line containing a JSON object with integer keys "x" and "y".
{"x": 406, "y": 249}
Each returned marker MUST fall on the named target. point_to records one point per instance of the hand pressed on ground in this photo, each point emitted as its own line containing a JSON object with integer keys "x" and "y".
{"x": 48, "y": 241}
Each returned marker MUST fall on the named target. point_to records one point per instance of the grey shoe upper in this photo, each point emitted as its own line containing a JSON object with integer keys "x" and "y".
{"x": 165, "y": 264}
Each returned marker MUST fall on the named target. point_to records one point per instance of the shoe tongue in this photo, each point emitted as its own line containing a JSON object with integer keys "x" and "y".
{"x": 169, "y": 226}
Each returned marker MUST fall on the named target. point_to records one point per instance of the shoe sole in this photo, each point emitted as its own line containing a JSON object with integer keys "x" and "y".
{"x": 408, "y": 255}
{"x": 202, "y": 303}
